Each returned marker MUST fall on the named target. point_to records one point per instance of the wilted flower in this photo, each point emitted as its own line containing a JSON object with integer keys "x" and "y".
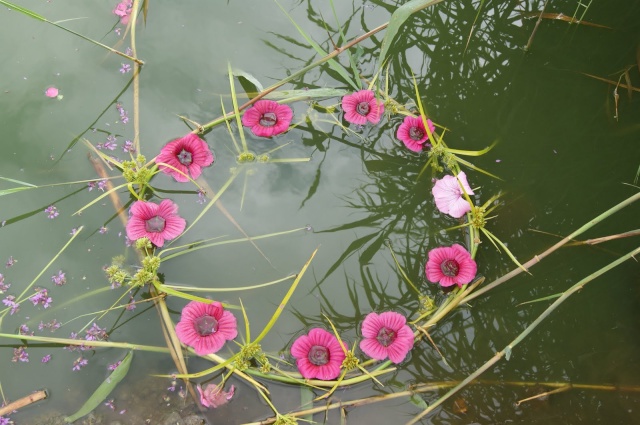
{"x": 213, "y": 396}
{"x": 318, "y": 355}
{"x": 450, "y": 265}
{"x": 386, "y": 335}
{"x": 206, "y": 327}
{"x": 267, "y": 118}
{"x": 362, "y": 106}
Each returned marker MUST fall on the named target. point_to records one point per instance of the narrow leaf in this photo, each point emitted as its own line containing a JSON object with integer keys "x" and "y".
{"x": 103, "y": 390}
{"x": 397, "y": 20}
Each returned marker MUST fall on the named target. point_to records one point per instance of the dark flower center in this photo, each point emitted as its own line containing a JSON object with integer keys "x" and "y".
{"x": 206, "y": 325}
{"x": 185, "y": 157}
{"x": 386, "y": 336}
{"x": 450, "y": 268}
{"x": 319, "y": 355}
{"x": 416, "y": 133}
{"x": 363, "y": 108}
{"x": 154, "y": 224}
{"x": 268, "y": 119}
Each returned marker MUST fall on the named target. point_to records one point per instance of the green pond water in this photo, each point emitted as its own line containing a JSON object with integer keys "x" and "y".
{"x": 566, "y": 152}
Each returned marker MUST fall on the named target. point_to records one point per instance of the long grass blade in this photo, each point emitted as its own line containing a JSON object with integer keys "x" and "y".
{"x": 236, "y": 110}
{"x": 398, "y": 18}
{"x": 104, "y": 389}
{"x": 285, "y": 300}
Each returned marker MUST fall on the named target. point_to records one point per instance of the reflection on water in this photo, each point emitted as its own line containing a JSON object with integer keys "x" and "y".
{"x": 363, "y": 196}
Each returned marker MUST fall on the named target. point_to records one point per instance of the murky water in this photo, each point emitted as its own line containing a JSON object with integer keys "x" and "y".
{"x": 562, "y": 156}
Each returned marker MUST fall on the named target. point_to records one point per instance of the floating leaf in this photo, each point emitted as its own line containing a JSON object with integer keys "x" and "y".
{"x": 103, "y": 390}
{"x": 253, "y": 80}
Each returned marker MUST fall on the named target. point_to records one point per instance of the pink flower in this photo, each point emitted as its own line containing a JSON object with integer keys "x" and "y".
{"x": 187, "y": 154}
{"x": 123, "y": 10}
{"x": 51, "y": 92}
{"x": 361, "y": 106}
{"x": 206, "y": 327}
{"x": 213, "y": 396}
{"x": 267, "y": 118}
{"x": 448, "y": 195}
{"x": 153, "y": 221}
{"x": 386, "y": 335}
{"x": 319, "y": 355}
{"x": 413, "y": 134}
{"x": 450, "y": 265}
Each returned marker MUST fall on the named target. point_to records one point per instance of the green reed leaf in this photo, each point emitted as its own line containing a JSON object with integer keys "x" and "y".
{"x": 234, "y": 100}
{"x": 398, "y": 19}
{"x": 250, "y": 78}
{"x": 285, "y": 300}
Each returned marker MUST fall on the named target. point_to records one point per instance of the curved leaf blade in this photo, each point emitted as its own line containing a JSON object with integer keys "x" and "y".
{"x": 103, "y": 390}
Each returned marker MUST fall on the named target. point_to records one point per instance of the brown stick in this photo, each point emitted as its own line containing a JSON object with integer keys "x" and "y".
{"x": 24, "y": 401}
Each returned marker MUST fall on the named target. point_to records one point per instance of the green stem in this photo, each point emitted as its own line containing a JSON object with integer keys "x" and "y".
{"x": 79, "y": 342}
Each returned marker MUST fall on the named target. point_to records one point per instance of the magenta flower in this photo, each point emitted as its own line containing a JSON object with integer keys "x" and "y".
{"x": 213, "y": 396}
{"x": 206, "y": 327}
{"x": 448, "y": 195}
{"x": 362, "y": 106}
{"x": 450, "y": 265}
{"x": 319, "y": 355}
{"x": 187, "y": 154}
{"x": 413, "y": 134}
{"x": 267, "y": 118}
{"x": 386, "y": 335}
{"x": 155, "y": 222}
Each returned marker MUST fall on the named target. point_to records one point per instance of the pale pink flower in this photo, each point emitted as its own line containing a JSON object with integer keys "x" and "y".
{"x": 51, "y": 92}
{"x": 450, "y": 266}
{"x": 213, "y": 396}
{"x": 189, "y": 154}
{"x": 123, "y": 11}
{"x": 386, "y": 335}
{"x": 267, "y": 118}
{"x": 362, "y": 106}
{"x": 449, "y": 197}
{"x": 319, "y": 355}
{"x": 413, "y": 134}
{"x": 155, "y": 222}
{"x": 206, "y": 327}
